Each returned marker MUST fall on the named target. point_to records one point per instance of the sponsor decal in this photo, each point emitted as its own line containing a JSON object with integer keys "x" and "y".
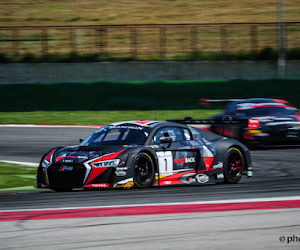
{"x": 165, "y": 162}
{"x": 82, "y": 157}
{"x": 125, "y": 127}
{"x": 167, "y": 182}
{"x": 184, "y": 160}
{"x": 219, "y": 165}
{"x": 249, "y": 173}
{"x": 202, "y": 178}
{"x": 68, "y": 160}
{"x": 120, "y": 173}
{"x": 66, "y": 168}
{"x": 220, "y": 176}
{"x": 100, "y": 185}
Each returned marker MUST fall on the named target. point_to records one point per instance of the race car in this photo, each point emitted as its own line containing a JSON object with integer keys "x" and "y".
{"x": 143, "y": 154}
{"x": 256, "y": 121}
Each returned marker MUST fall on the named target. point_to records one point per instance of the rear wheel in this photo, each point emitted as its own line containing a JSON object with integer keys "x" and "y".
{"x": 143, "y": 171}
{"x": 234, "y": 167}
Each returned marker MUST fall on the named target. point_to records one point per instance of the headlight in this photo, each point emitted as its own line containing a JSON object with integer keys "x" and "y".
{"x": 108, "y": 163}
{"x": 45, "y": 164}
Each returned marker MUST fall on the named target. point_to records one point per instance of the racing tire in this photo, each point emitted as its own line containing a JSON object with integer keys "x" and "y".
{"x": 143, "y": 174}
{"x": 62, "y": 189}
{"x": 234, "y": 167}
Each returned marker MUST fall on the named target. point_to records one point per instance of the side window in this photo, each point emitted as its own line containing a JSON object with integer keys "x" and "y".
{"x": 195, "y": 133}
{"x": 175, "y": 133}
{"x": 187, "y": 134}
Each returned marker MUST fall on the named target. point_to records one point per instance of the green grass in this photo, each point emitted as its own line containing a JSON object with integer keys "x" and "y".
{"x": 14, "y": 175}
{"x": 99, "y": 117}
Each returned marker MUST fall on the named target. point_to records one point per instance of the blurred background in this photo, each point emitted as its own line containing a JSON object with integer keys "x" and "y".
{"x": 86, "y": 46}
{"x": 65, "y": 30}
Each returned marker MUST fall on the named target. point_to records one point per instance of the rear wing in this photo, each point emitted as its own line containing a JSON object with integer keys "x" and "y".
{"x": 205, "y": 124}
{"x": 207, "y": 103}
{"x": 224, "y": 120}
{"x": 219, "y": 100}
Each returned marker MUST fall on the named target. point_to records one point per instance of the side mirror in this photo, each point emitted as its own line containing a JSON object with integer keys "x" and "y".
{"x": 81, "y": 140}
{"x": 166, "y": 140}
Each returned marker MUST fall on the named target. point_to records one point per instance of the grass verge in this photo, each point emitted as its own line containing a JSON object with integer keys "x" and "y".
{"x": 99, "y": 117}
{"x": 16, "y": 176}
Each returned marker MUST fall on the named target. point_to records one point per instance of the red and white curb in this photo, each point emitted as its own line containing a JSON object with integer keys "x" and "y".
{"x": 151, "y": 209}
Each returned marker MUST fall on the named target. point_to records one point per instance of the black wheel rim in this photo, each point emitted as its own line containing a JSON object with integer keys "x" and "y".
{"x": 143, "y": 170}
{"x": 235, "y": 165}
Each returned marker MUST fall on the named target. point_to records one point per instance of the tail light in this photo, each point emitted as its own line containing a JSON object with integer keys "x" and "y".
{"x": 253, "y": 123}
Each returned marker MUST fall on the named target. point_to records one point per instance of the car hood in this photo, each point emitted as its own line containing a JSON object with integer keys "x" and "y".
{"x": 79, "y": 154}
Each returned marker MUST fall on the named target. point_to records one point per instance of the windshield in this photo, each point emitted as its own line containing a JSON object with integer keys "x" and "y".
{"x": 116, "y": 135}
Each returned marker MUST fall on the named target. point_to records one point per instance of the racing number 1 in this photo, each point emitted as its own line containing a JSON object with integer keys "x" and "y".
{"x": 165, "y": 162}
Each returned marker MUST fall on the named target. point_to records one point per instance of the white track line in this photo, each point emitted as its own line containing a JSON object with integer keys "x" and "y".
{"x": 291, "y": 198}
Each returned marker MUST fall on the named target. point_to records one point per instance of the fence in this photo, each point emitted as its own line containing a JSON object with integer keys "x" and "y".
{"x": 145, "y": 41}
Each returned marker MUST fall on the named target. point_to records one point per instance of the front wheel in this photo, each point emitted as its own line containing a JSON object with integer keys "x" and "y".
{"x": 234, "y": 167}
{"x": 143, "y": 171}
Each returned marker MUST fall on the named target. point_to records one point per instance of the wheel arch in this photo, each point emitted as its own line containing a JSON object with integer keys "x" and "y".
{"x": 152, "y": 156}
{"x": 243, "y": 154}
{"x": 224, "y": 145}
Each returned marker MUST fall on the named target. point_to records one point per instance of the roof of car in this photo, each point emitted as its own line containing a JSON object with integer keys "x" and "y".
{"x": 144, "y": 123}
{"x": 262, "y": 100}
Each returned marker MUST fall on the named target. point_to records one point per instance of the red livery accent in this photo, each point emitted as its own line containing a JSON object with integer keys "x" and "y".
{"x": 107, "y": 157}
{"x": 208, "y": 161}
{"x": 48, "y": 156}
{"x": 181, "y": 160}
{"x": 143, "y": 122}
{"x": 94, "y": 173}
{"x": 280, "y": 101}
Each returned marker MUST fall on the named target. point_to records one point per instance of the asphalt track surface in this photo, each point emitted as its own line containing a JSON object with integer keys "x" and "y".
{"x": 275, "y": 175}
